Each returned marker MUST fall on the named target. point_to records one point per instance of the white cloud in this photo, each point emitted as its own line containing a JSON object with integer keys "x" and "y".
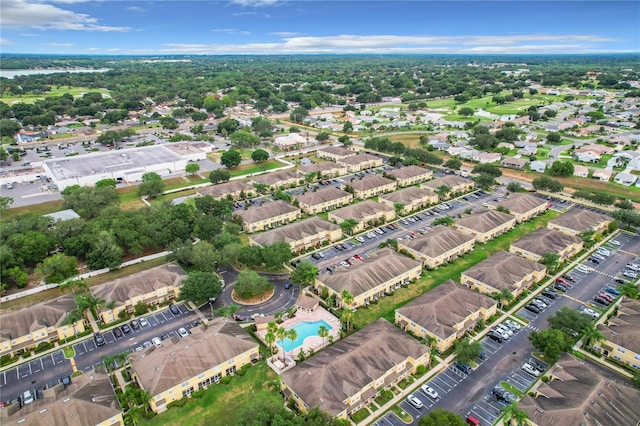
{"x": 61, "y": 44}
{"x": 285, "y": 34}
{"x": 257, "y": 3}
{"x": 24, "y": 13}
{"x": 4, "y": 42}
{"x": 231, "y": 31}
{"x": 135, "y": 9}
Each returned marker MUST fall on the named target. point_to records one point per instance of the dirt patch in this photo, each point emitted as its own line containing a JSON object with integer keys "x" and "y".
{"x": 255, "y": 300}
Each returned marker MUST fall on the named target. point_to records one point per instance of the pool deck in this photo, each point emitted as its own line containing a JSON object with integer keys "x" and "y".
{"x": 311, "y": 342}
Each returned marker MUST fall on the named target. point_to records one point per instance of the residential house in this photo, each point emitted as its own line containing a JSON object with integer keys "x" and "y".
{"x": 371, "y": 186}
{"x": 603, "y": 175}
{"x": 580, "y": 171}
{"x": 456, "y": 185}
{"x": 538, "y": 166}
{"x": 622, "y": 334}
{"x": 268, "y": 215}
{"x": 366, "y": 213}
{"x": 352, "y": 372}
{"x": 598, "y": 148}
{"x": 485, "y": 224}
{"x": 88, "y": 400}
{"x": 438, "y": 246}
{"x": 486, "y": 157}
{"x": 361, "y": 162}
{"x": 524, "y": 206}
{"x": 151, "y": 287}
{"x": 626, "y": 179}
{"x": 335, "y": 153}
{"x": 586, "y": 156}
{"x": 325, "y": 170}
{"x": 301, "y": 235}
{"x": 528, "y": 150}
{"x": 381, "y": 273}
{"x": 462, "y": 151}
{"x": 503, "y": 271}
{"x": 409, "y": 175}
{"x": 323, "y": 199}
{"x": 514, "y": 163}
{"x": 45, "y": 322}
{"x": 276, "y": 180}
{"x": 445, "y": 313}
{"x": 541, "y": 241}
{"x": 290, "y": 140}
{"x": 578, "y": 394}
{"x": 183, "y": 365}
{"x": 234, "y": 189}
{"x": 578, "y": 220}
{"x": 411, "y": 198}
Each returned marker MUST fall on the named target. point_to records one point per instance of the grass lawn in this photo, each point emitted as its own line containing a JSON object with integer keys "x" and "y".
{"x": 69, "y": 352}
{"x": 404, "y": 416}
{"x": 514, "y": 390}
{"x": 58, "y": 91}
{"x": 360, "y": 415}
{"x": 247, "y": 169}
{"x": 222, "y": 402}
{"x": 37, "y": 209}
{"x": 386, "y": 306}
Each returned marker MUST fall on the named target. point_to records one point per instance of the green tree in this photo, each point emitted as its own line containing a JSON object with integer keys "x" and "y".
{"x": 192, "y": 168}
{"x": 561, "y": 168}
{"x": 9, "y": 127}
{"x": 545, "y": 183}
{"x": 250, "y": 284}
{"x": 444, "y": 220}
{"x": 323, "y": 332}
{"x": 551, "y": 261}
{"x": 305, "y": 274}
{"x": 466, "y": 112}
{"x": 551, "y": 342}
{"x": 151, "y": 185}
{"x": 347, "y": 301}
{"x": 591, "y": 335}
{"x": 512, "y": 414}
{"x": 347, "y": 127}
{"x": 104, "y": 252}
{"x": 270, "y": 339}
{"x": 467, "y": 350}
{"x": 442, "y": 417}
{"x": 348, "y": 225}
{"x": 205, "y": 257}
{"x": 5, "y": 203}
{"x": 228, "y": 126}
{"x": 276, "y": 254}
{"x": 244, "y": 139}
{"x": 453, "y": 164}
{"x": 259, "y": 155}
{"x": 140, "y": 308}
{"x": 231, "y": 159}
{"x": 298, "y": 114}
{"x": 485, "y": 180}
{"x": 169, "y": 123}
{"x": 629, "y": 290}
{"x": 199, "y": 287}
{"x": 322, "y": 136}
{"x": 57, "y": 267}
{"x": 569, "y": 321}
{"x": 515, "y": 187}
{"x": 89, "y": 202}
{"x": 219, "y": 175}
{"x": 443, "y": 191}
{"x": 106, "y": 183}
{"x": 292, "y": 334}
{"x": 488, "y": 169}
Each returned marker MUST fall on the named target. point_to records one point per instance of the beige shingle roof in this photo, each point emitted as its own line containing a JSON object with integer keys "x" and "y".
{"x": 320, "y": 167}
{"x": 580, "y": 219}
{"x": 334, "y": 374}
{"x": 624, "y": 328}
{"x": 295, "y": 231}
{"x": 503, "y": 269}
{"x": 544, "y": 240}
{"x": 438, "y": 240}
{"x": 361, "y": 210}
{"x": 323, "y": 195}
{"x": 273, "y": 178}
{"x": 222, "y": 189}
{"x": 338, "y": 150}
{"x": 522, "y": 203}
{"x": 441, "y": 308}
{"x": 371, "y": 182}
{"x": 484, "y": 220}
{"x": 450, "y": 181}
{"x": 179, "y": 359}
{"x": 26, "y": 320}
{"x": 380, "y": 267}
{"x": 407, "y": 172}
{"x": 265, "y": 211}
{"x": 357, "y": 159}
{"x": 406, "y": 195}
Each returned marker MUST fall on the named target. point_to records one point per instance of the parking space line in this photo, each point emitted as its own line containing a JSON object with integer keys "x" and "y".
{"x": 440, "y": 387}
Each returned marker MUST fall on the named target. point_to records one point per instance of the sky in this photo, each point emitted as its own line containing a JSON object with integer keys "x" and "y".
{"x": 124, "y": 27}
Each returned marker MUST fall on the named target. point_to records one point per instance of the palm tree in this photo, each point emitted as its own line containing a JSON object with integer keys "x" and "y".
{"x": 348, "y": 225}
{"x": 278, "y": 316}
{"x": 504, "y": 297}
{"x": 347, "y": 302}
{"x": 345, "y": 318}
{"x": 513, "y": 414}
{"x": 270, "y": 339}
{"x": 629, "y": 289}
{"x": 323, "y": 332}
{"x": 292, "y": 335}
{"x": 442, "y": 192}
{"x": 592, "y": 335}
{"x": 281, "y": 334}
{"x": 291, "y": 312}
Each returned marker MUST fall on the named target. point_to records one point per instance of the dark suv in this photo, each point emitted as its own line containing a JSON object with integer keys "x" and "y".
{"x": 174, "y": 309}
{"x": 465, "y": 368}
{"x": 99, "y": 338}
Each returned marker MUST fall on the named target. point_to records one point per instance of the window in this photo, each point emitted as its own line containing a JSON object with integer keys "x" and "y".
{"x": 621, "y": 350}
{"x": 217, "y": 378}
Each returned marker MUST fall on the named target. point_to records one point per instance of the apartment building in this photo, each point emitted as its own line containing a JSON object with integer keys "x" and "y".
{"x": 485, "y": 224}
{"x": 300, "y": 235}
{"x": 410, "y": 175}
{"x": 268, "y": 215}
{"x": 411, "y": 198}
{"x": 371, "y": 186}
{"x": 323, "y": 200}
{"x": 366, "y": 213}
{"x": 438, "y": 246}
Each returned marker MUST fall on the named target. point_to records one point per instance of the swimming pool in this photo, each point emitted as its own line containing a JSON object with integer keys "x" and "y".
{"x": 304, "y": 329}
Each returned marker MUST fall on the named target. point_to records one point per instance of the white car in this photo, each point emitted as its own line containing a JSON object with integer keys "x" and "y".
{"x": 513, "y": 324}
{"x": 530, "y": 369}
{"x": 614, "y": 242}
{"x": 429, "y": 391}
{"x": 583, "y": 269}
{"x": 360, "y": 239}
{"x": 183, "y": 332}
{"x": 504, "y": 329}
{"x": 591, "y": 312}
{"x": 143, "y": 322}
{"x": 157, "y": 342}
{"x": 415, "y": 401}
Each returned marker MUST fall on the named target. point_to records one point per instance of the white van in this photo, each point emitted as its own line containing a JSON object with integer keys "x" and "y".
{"x": 583, "y": 269}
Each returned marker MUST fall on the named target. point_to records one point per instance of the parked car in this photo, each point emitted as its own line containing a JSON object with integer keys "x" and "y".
{"x": 28, "y": 397}
{"x": 117, "y": 333}
{"x": 630, "y": 274}
{"x": 413, "y": 400}
{"x": 532, "y": 308}
{"x": 560, "y": 287}
{"x": 429, "y": 391}
{"x": 183, "y": 332}
{"x": 496, "y": 337}
{"x": 569, "y": 278}
{"x": 602, "y": 301}
{"x": 530, "y": 369}
{"x": 606, "y": 297}
{"x": 143, "y": 322}
{"x": 99, "y": 339}
{"x": 288, "y": 285}
{"x": 125, "y": 328}
{"x": 512, "y": 325}
{"x": 612, "y": 290}
{"x": 157, "y": 342}
{"x": 591, "y": 312}
{"x": 465, "y": 368}
{"x": 504, "y": 329}
{"x": 550, "y": 294}
{"x": 174, "y": 309}
{"x": 135, "y": 324}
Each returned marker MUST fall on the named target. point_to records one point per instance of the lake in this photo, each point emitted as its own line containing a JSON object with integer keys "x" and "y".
{"x": 13, "y": 73}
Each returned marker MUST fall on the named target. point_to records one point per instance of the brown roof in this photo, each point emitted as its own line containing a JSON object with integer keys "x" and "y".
{"x": 273, "y": 178}
{"x": 520, "y": 162}
{"x": 334, "y": 374}
{"x": 624, "y": 328}
{"x": 320, "y": 167}
{"x": 581, "y": 397}
{"x": 26, "y": 320}
{"x": 545, "y": 240}
{"x": 266, "y": 210}
{"x": 88, "y": 400}
{"x": 580, "y": 219}
{"x": 222, "y": 189}
{"x": 123, "y": 289}
{"x": 338, "y": 150}
{"x": 407, "y": 172}
{"x": 450, "y": 181}
{"x": 521, "y": 203}
{"x": 503, "y": 269}
{"x": 359, "y": 158}
{"x": 307, "y": 302}
{"x": 179, "y": 359}
{"x": 323, "y": 195}
{"x": 295, "y": 231}
{"x": 441, "y": 308}
{"x": 484, "y": 220}
{"x": 406, "y": 195}
{"x": 380, "y": 267}
{"x": 438, "y": 240}
{"x": 361, "y": 210}
{"x": 371, "y": 182}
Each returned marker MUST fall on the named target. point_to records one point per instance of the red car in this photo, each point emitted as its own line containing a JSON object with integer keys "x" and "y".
{"x": 562, "y": 281}
{"x": 606, "y": 297}
{"x": 357, "y": 256}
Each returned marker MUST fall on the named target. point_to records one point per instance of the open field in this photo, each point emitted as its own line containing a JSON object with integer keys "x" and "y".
{"x": 57, "y": 91}
{"x": 247, "y": 169}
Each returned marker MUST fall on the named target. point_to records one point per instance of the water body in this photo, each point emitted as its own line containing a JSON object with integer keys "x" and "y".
{"x": 12, "y": 73}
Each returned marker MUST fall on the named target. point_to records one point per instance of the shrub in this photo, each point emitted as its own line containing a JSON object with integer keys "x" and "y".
{"x": 225, "y": 380}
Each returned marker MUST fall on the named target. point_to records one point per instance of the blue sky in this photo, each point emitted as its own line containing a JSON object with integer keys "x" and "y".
{"x": 308, "y": 26}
